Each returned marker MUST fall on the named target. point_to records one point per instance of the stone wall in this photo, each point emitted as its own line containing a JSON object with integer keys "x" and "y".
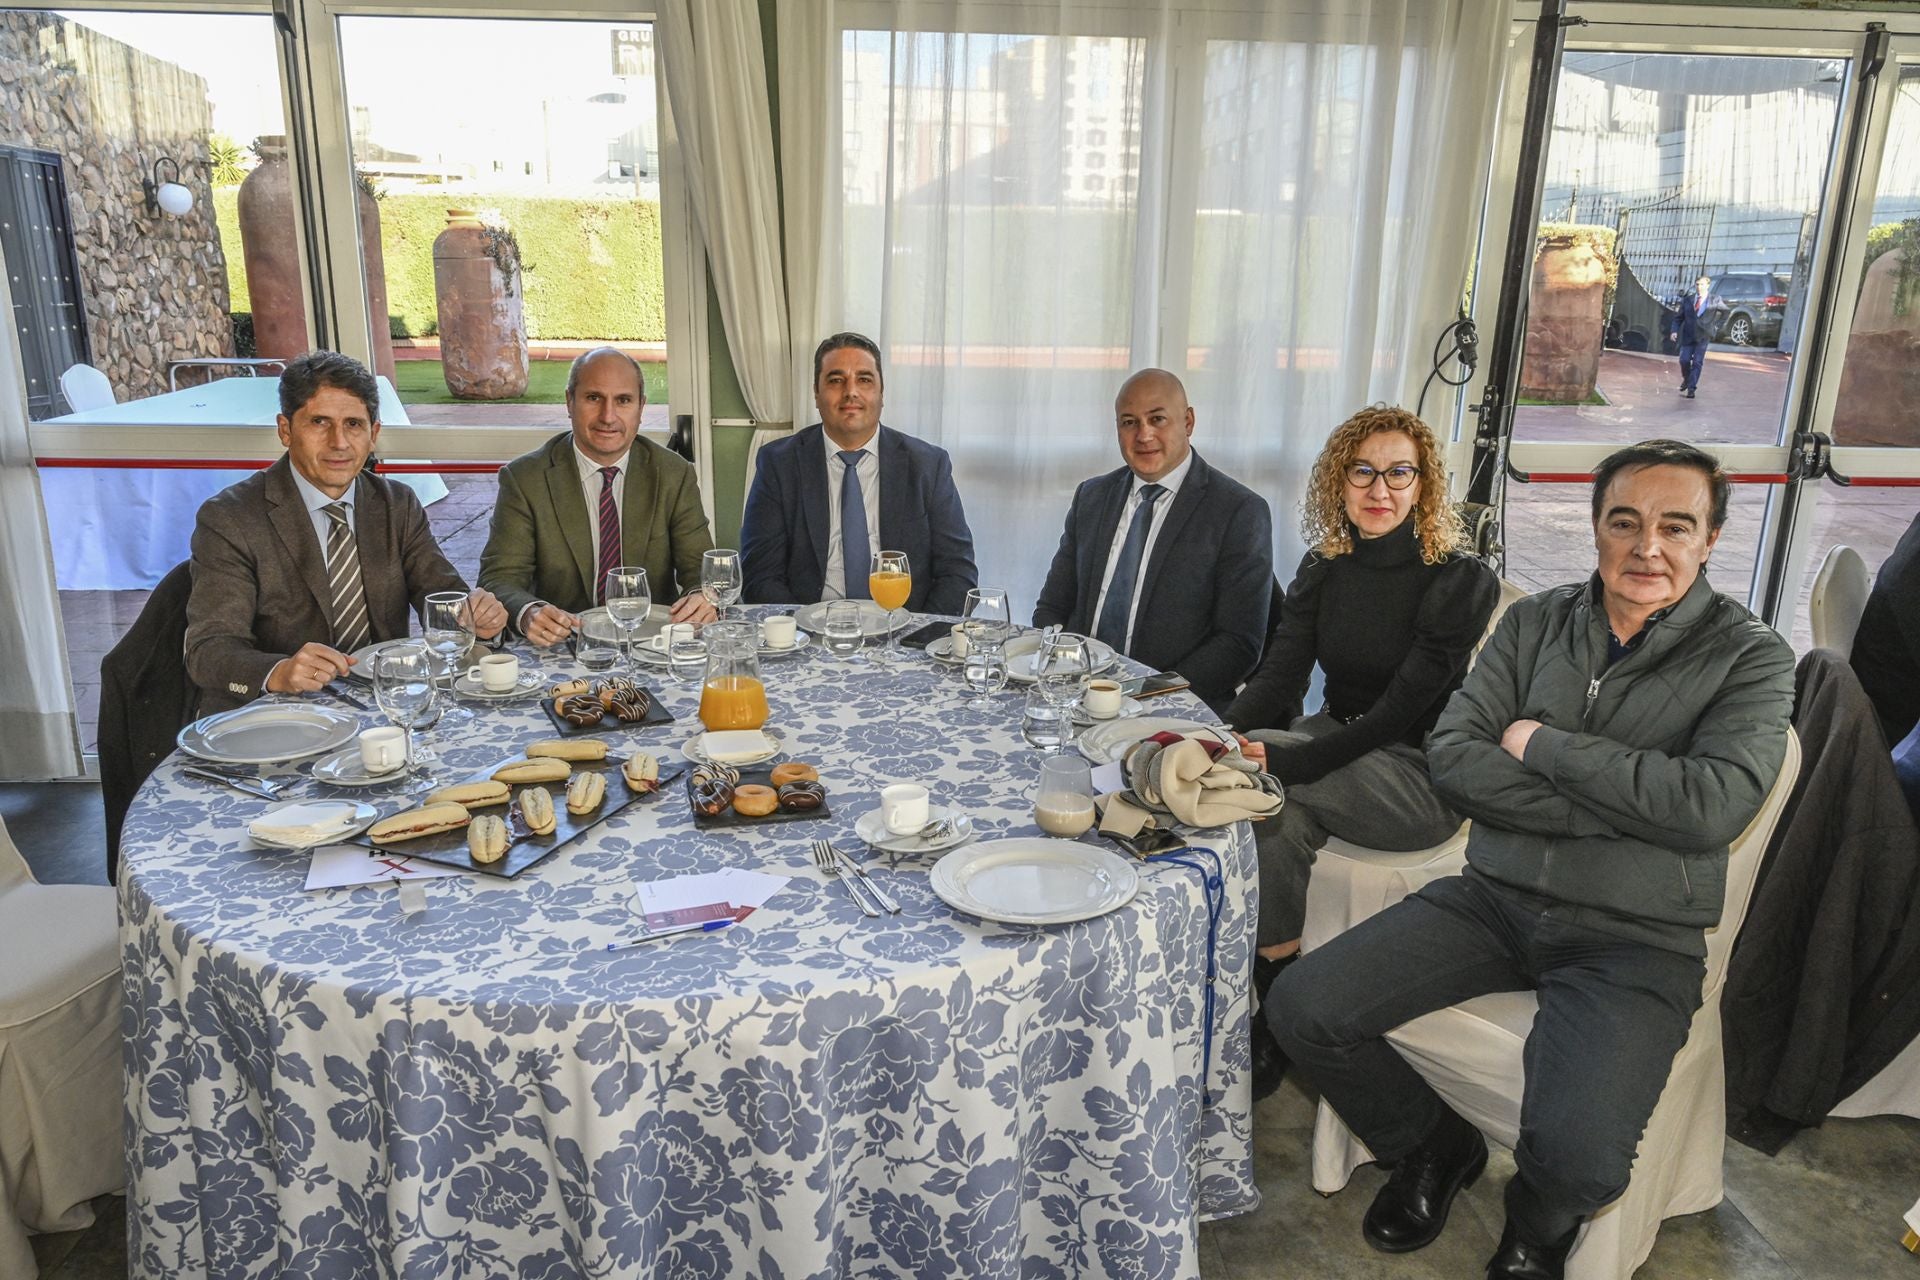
{"x": 154, "y": 287}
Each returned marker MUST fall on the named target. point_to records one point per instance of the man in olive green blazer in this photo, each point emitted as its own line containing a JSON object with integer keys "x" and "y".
{"x": 553, "y": 536}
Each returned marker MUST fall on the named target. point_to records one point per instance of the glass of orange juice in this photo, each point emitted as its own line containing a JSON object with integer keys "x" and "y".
{"x": 890, "y": 583}
{"x": 732, "y": 695}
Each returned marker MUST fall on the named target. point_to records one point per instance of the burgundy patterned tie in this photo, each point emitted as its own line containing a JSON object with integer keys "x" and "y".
{"x": 609, "y": 533}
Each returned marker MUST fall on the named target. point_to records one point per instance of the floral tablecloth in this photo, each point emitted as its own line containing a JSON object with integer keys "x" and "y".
{"x": 322, "y": 1085}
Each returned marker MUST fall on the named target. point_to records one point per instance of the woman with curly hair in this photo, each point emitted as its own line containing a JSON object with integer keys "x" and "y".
{"x": 1389, "y": 604}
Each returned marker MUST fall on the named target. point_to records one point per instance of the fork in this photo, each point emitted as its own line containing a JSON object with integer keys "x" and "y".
{"x": 867, "y": 882}
{"x": 823, "y": 859}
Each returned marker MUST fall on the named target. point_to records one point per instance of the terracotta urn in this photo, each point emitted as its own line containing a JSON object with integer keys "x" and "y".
{"x": 1879, "y": 403}
{"x": 483, "y": 328}
{"x": 1566, "y": 317}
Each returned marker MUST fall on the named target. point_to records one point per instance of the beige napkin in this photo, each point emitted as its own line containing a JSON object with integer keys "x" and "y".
{"x": 1199, "y": 782}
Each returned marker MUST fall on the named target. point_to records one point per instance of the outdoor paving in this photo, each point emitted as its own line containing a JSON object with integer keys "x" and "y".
{"x": 1548, "y": 535}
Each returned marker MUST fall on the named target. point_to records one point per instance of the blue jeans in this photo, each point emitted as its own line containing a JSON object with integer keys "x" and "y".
{"x": 1612, "y": 1015}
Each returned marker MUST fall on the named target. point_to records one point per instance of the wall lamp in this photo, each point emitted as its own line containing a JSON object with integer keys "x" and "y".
{"x": 166, "y": 197}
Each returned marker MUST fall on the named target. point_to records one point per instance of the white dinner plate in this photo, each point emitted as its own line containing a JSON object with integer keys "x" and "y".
{"x": 870, "y": 828}
{"x": 342, "y": 818}
{"x": 695, "y": 752}
{"x": 343, "y": 769}
{"x": 268, "y": 733}
{"x": 528, "y": 681}
{"x": 873, "y": 619}
{"x": 1032, "y": 880}
{"x": 1108, "y": 740}
{"x": 1023, "y": 649}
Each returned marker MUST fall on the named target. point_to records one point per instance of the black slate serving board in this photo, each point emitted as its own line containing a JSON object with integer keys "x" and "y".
{"x": 450, "y": 847}
{"x": 763, "y": 775}
{"x": 656, "y": 714}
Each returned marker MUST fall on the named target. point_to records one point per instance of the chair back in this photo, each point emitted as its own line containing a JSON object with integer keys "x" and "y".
{"x": 85, "y": 387}
{"x": 146, "y": 698}
{"x": 1743, "y": 865}
{"x": 1839, "y": 598}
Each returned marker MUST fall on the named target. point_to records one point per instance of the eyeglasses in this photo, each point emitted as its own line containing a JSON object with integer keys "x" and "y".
{"x": 1362, "y": 476}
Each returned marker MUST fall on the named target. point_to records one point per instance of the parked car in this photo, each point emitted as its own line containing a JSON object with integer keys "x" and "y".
{"x": 1746, "y": 308}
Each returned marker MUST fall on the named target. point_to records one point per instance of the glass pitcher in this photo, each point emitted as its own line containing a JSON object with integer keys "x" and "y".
{"x": 732, "y": 696}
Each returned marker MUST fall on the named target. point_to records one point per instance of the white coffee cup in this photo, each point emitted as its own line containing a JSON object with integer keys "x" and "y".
{"x": 496, "y": 673}
{"x": 904, "y": 807}
{"x": 959, "y": 645}
{"x": 1102, "y": 699}
{"x": 383, "y": 750}
{"x": 779, "y": 631}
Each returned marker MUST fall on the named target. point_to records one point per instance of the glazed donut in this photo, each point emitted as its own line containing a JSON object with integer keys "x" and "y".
{"x": 794, "y": 771}
{"x": 752, "y": 800}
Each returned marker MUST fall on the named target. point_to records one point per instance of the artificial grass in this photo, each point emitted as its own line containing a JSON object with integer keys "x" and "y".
{"x": 424, "y": 382}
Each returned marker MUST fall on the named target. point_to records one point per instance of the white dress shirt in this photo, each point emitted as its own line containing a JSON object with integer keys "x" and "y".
{"x": 590, "y": 485}
{"x": 834, "y": 588}
{"x": 1171, "y": 482}
{"x": 317, "y": 503}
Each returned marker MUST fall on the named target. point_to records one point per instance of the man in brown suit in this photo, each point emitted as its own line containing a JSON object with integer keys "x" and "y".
{"x": 549, "y": 550}
{"x": 299, "y": 565}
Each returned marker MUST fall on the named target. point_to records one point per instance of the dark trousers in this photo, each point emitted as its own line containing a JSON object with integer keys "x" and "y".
{"x": 1383, "y": 800}
{"x": 1693, "y": 355}
{"x": 1612, "y": 1015}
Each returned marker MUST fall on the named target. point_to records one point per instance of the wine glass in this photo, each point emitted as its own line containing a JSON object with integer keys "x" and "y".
{"x": 841, "y": 631}
{"x": 403, "y": 686}
{"x": 1060, "y": 671}
{"x": 629, "y": 600}
{"x": 448, "y": 627}
{"x": 720, "y": 578}
{"x": 890, "y": 583}
{"x": 988, "y": 623}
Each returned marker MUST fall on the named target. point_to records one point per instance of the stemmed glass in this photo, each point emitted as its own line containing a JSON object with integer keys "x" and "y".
{"x": 448, "y": 625}
{"x": 629, "y": 600}
{"x": 403, "y": 685}
{"x": 988, "y": 623}
{"x": 890, "y": 583}
{"x": 1060, "y": 671}
{"x": 720, "y": 579}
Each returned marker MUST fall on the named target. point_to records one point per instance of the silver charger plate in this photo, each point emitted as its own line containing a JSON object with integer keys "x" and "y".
{"x": 1033, "y": 880}
{"x": 357, "y": 816}
{"x": 362, "y": 668}
{"x": 1022, "y": 650}
{"x": 657, "y": 617}
{"x": 873, "y": 619}
{"x": 1107, "y": 740}
{"x": 268, "y": 733}
{"x": 343, "y": 769}
{"x": 873, "y": 830}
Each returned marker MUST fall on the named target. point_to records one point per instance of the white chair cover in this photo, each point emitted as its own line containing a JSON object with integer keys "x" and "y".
{"x": 1470, "y": 1054}
{"x": 85, "y": 387}
{"x": 1839, "y": 598}
{"x": 60, "y": 1088}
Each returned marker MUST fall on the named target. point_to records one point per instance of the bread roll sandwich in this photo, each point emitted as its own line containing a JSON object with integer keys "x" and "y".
{"x": 487, "y": 838}
{"x": 414, "y": 823}
{"x": 544, "y": 769}
{"x": 585, "y": 792}
{"x": 568, "y": 749}
{"x": 536, "y": 807}
{"x": 472, "y": 795}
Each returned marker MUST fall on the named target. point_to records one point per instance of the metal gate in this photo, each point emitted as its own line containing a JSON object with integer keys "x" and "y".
{"x": 43, "y": 272}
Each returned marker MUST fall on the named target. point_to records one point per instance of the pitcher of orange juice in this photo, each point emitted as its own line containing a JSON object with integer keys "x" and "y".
{"x": 732, "y": 696}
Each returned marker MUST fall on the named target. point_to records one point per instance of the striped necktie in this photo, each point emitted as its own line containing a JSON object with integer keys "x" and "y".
{"x": 609, "y": 533}
{"x": 348, "y": 602}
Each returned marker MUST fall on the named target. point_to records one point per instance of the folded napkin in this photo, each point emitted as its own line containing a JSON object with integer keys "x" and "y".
{"x": 735, "y": 746}
{"x": 307, "y": 823}
{"x": 1199, "y": 781}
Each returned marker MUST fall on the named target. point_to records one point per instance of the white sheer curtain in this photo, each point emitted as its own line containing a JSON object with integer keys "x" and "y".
{"x": 38, "y": 736}
{"x": 1275, "y": 200}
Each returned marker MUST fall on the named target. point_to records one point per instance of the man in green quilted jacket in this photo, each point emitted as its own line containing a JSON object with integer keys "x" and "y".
{"x": 1611, "y": 741}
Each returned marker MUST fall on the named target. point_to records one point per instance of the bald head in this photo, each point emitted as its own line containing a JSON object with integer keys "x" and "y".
{"x": 605, "y": 395}
{"x": 1155, "y": 423}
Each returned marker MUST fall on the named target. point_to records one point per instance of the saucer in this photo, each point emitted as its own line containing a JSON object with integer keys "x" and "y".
{"x": 343, "y": 769}
{"x": 528, "y": 681}
{"x": 870, "y": 828}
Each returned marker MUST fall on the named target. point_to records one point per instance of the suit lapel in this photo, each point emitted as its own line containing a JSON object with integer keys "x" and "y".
{"x": 1193, "y": 492}
{"x": 294, "y": 527}
{"x": 371, "y": 521}
{"x": 810, "y": 456}
{"x": 896, "y": 501}
{"x": 570, "y": 509}
{"x": 1097, "y": 546}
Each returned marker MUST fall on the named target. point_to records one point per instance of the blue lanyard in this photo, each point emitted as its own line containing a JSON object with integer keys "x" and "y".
{"x": 1214, "y": 885}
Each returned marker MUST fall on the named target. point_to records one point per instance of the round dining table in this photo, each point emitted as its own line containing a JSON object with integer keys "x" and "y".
{"x": 328, "y": 1083}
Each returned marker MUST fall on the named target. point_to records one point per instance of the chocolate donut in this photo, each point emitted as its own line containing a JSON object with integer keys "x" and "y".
{"x": 716, "y": 772}
{"x": 710, "y": 797}
{"x": 582, "y": 709}
{"x": 618, "y": 687}
{"x": 802, "y": 797}
{"x": 630, "y": 707}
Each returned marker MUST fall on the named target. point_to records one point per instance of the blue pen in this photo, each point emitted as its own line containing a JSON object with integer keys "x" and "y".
{"x": 706, "y": 926}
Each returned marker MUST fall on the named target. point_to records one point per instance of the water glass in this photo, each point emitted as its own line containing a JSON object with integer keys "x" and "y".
{"x": 1043, "y": 724}
{"x": 842, "y": 633}
{"x": 1061, "y": 669}
{"x": 720, "y": 578}
{"x": 629, "y": 600}
{"x": 599, "y": 641}
{"x": 686, "y": 657}
{"x": 403, "y": 686}
{"x": 985, "y": 667}
{"x": 447, "y": 624}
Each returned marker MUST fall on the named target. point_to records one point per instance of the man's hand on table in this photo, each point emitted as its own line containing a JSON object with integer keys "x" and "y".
{"x": 309, "y": 670}
{"x": 694, "y": 607}
{"x": 545, "y": 625}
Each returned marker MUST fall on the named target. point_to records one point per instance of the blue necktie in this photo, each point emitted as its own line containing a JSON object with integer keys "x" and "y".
{"x": 856, "y": 553}
{"x": 1113, "y": 614}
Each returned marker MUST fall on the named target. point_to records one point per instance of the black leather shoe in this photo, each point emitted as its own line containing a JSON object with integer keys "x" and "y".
{"x": 1270, "y": 1061}
{"x": 1689, "y": 393}
{"x": 1515, "y": 1259}
{"x": 1409, "y": 1212}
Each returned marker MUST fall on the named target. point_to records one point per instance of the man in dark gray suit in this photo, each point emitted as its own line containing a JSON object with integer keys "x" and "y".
{"x": 797, "y": 545}
{"x": 299, "y": 565}
{"x": 1166, "y": 559}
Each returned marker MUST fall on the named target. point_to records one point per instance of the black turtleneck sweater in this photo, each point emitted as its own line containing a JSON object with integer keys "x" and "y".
{"x": 1394, "y": 636}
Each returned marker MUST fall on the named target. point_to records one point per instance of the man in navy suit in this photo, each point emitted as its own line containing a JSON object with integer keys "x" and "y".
{"x": 1689, "y": 328}
{"x": 796, "y": 544}
{"x": 1166, "y": 559}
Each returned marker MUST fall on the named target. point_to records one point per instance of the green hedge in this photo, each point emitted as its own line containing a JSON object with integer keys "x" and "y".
{"x": 592, "y": 266}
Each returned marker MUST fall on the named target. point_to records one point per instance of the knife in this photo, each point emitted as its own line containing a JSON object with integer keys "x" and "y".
{"x": 242, "y": 785}
{"x": 336, "y": 691}
{"x": 867, "y": 881}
